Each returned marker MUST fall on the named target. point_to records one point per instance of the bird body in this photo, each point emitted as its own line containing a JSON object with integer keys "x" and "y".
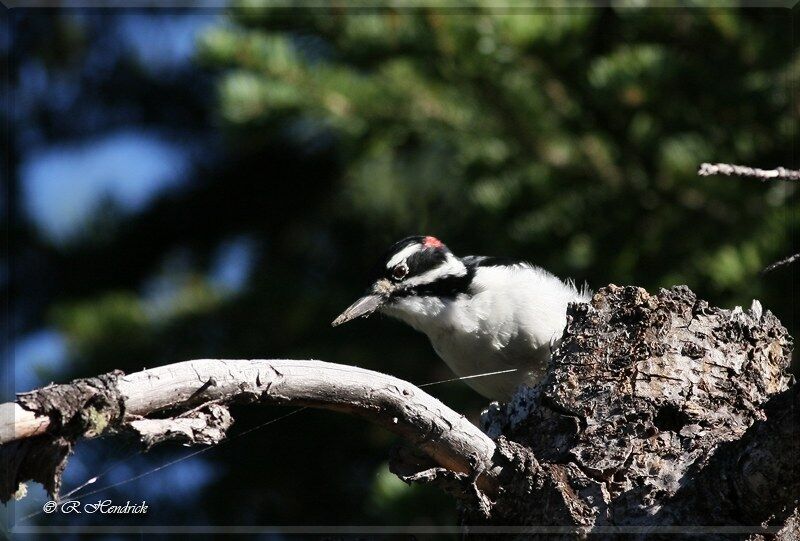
{"x": 481, "y": 314}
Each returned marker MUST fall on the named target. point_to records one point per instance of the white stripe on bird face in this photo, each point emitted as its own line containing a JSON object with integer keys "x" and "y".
{"x": 403, "y": 255}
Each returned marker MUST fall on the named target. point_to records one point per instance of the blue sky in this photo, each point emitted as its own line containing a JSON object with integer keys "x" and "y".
{"x": 63, "y": 183}
{"x": 63, "y": 186}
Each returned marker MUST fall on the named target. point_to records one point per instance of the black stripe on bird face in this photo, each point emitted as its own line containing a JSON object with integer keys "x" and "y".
{"x": 448, "y": 286}
{"x": 425, "y": 260}
{"x": 430, "y": 272}
{"x": 411, "y": 265}
{"x": 410, "y": 257}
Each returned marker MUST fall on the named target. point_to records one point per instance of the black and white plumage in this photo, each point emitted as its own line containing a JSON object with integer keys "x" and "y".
{"x": 481, "y": 314}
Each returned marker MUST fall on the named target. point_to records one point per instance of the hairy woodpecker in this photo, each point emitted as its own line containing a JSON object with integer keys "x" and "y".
{"x": 481, "y": 314}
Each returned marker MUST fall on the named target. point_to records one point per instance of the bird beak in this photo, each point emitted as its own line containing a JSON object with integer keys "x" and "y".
{"x": 363, "y": 307}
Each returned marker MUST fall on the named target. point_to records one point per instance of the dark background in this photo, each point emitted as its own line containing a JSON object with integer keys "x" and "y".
{"x": 216, "y": 183}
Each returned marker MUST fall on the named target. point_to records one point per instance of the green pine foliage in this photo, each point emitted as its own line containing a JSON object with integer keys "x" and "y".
{"x": 568, "y": 136}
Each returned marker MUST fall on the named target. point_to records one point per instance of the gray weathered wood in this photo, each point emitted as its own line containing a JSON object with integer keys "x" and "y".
{"x": 186, "y": 398}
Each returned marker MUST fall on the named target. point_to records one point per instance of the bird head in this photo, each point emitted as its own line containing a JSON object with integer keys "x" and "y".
{"x": 420, "y": 266}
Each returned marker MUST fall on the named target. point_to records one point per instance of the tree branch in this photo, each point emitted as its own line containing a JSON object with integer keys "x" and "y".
{"x": 710, "y": 169}
{"x": 185, "y": 401}
{"x": 782, "y": 263}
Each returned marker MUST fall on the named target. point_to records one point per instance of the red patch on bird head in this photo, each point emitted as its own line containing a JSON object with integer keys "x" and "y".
{"x": 432, "y": 242}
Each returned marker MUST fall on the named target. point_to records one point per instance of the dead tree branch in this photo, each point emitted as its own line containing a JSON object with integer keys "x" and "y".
{"x": 186, "y": 401}
{"x": 711, "y": 169}
{"x": 782, "y": 263}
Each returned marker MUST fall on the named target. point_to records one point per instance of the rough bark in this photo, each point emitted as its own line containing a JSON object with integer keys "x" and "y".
{"x": 659, "y": 414}
{"x": 654, "y": 414}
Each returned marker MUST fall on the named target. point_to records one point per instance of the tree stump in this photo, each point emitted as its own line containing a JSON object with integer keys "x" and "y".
{"x": 656, "y": 414}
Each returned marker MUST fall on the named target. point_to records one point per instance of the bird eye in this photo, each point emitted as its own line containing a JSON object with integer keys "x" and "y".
{"x": 399, "y": 272}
